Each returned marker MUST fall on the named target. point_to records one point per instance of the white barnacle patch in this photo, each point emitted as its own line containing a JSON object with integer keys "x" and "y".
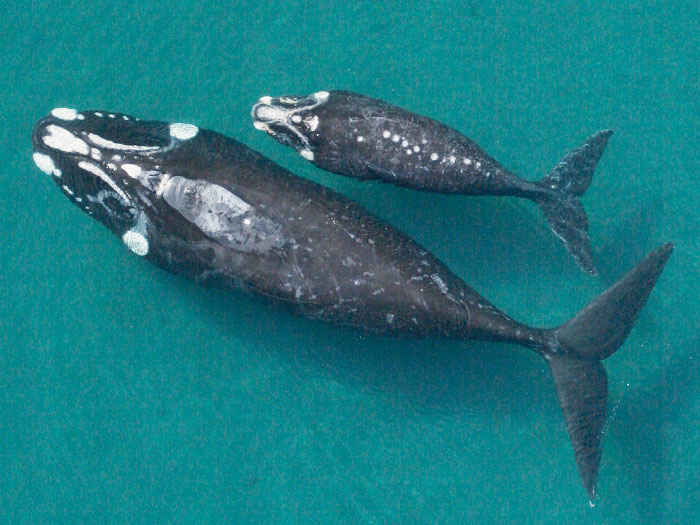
{"x": 44, "y": 163}
{"x": 65, "y": 113}
{"x": 404, "y": 143}
{"x": 409, "y": 152}
{"x": 132, "y": 170}
{"x": 386, "y": 134}
{"x": 468, "y": 161}
{"x": 452, "y": 159}
{"x": 390, "y": 318}
{"x": 478, "y": 165}
{"x": 296, "y": 119}
{"x": 307, "y": 154}
{"x": 312, "y": 123}
{"x": 136, "y": 242}
{"x": 104, "y": 143}
{"x": 416, "y": 149}
{"x": 441, "y": 284}
{"x": 96, "y": 154}
{"x": 321, "y": 95}
{"x": 67, "y": 190}
{"x": 95, "y": 170}
{"x": 183, "y": 131}
{"x": 265, "y": 100}
{"x": 434, "y": 156}
{"x": 98, "y": 114}
{"x": 63, "y": 140}
{"x": 395, "y": 138}
{"x": 360, "y": 138}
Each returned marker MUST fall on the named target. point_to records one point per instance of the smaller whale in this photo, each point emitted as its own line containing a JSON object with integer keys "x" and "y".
{"x": 367, "y": 138}
{"x": 202, "y": 205}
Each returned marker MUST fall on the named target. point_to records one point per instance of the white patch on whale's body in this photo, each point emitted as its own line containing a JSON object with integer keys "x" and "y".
{"x": 61, "y": 139}
{"x": 183, "y": 131}
{"x": 44, "y": 163}
{"x": 96, "y": 170}
{"x": 65, "y": 113}
{"x": 104, "y": 143}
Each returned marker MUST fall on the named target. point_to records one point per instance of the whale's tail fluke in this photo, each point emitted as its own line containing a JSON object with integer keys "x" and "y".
{"x": 568, "y": 181}
{"x": 579, "y": 346}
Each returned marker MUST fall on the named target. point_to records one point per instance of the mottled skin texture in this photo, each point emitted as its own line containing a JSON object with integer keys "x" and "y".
{"x": 369, "y": 139}
{"x": 202, "y": 205}
{"x": 338, "y": 263}
{"x": 351, "y": 139}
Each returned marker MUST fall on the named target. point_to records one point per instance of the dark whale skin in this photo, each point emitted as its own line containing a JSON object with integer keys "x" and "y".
{"x": 205, "y": 206}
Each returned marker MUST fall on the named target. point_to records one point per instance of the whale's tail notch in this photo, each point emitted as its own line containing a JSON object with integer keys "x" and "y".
{"x": 568, "y": 181}
{"x": 580, "y": 344}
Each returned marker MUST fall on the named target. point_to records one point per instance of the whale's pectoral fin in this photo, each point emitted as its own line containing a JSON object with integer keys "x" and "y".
{"x": 580, "y": 344}
{"x": 582, "y": 389}
{"x": 568, "y": 181}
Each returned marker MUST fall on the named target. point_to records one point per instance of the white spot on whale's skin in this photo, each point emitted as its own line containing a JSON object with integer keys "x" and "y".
{"x": 321, "y": 95}
{"x": 132, "y": 170}
{"x": 67, "y": 190}
{"x": 44, "y": 163}
{"x": 395, "y": 138}
{"x": 416, "y": 149}
{"x": 313, "y": 123}
{"x": 95, "y": 170}
{"x": 386, "y": 134}
{"x": 296, "y": 119}
{"x": 307, "y": 154}
{"x": 452, "y": 159}
{"x": 266, "y": 100}
{"x": 65, "y": 113}
{"x": 183, "y": 131}
{"x": 63, "y": 140}
{"x": 404, "y": 143}
{"x": 434, "y": 156}
{"x": 360, "y": 138}
{"x": 468, "y": 161}
{"x": 104, "y": 143}
{"x": 136, "y": 242}
{"x": 96, "y": 154}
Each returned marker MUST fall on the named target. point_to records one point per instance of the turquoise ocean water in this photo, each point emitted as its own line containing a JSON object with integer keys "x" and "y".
{"x": 131, "y": 395}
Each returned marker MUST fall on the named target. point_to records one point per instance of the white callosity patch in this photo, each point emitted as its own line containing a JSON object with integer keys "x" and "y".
{"x": 183, "y": 131}
{"x": 44, "y": 163}
{"x": 65, "y": 113}
{"x": 312, "y": 123}
{"x": 104, "y": 143}
{"x": 307, "y": 154}
{"x": 132, "y": 170}
{"x": 61, "y": 139}
{"x": 136, "y": 238}
{"x": 95, "y": 170}
{"x": 136, "y": 242}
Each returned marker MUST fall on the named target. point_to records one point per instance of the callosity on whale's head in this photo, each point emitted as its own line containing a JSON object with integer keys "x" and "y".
{"x": 149, "y": 183}
{"x": 292, "y": 121}
{"x": 109, "y": 165}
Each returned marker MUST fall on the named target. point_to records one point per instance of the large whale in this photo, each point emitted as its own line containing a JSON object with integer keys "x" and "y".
{"x": 366, "y": 138}
{"x": 197, "y": 203}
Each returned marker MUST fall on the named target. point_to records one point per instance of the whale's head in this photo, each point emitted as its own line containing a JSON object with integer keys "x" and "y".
{"x": 290, "y": 120}
{"x": 109, "y": 165}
